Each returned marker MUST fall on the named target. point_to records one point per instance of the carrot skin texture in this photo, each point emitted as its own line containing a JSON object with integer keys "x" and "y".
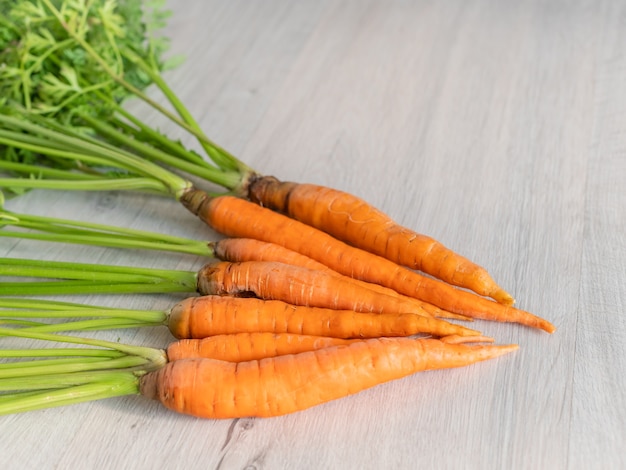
{"x": 200, "y": 317}
{"x": 238, "y": 250}
{"x": 209, "y": 388}
{"x": 298, "y": 286}
{"x": 241, "y": 347}
{"x": 456, "y": 339}
{"x": 236, "y": 217}
{"x": 358, "y": 223}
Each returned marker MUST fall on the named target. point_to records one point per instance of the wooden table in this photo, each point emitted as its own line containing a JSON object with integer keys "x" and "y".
{"x": 497, "y": 127}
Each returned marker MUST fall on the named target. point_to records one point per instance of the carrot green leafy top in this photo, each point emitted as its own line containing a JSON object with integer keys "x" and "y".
{"x": 46, "y": 67}
{"x": 66, "y": 69}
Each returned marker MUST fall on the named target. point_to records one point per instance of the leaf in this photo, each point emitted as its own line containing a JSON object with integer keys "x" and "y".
{"x": 42, "y": 66}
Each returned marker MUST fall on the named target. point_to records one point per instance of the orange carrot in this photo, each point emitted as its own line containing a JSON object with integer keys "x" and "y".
{"x": 356, "y": 222}
{"x": 237, "y": 250}
{"x": 456, "y": 339}
{"x": 296, "y": 285}
{"x": 241, "y": 347}
{"x": 210, "y": 388}
{"x": 247, "y": 249}
{"x": 236, "y": 217}
{"x": 200, "y": 317}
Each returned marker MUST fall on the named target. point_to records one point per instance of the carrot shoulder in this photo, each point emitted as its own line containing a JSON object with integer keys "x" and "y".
{"x": 236, "y": 217}
{"x": 200, "y": 317}
{"x": 358, "y": 223}
{"x": 210, "y": 388}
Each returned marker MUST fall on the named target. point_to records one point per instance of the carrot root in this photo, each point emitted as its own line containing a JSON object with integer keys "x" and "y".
{"x": 237, "y": 250}
{"x": 456, "y": 339}
{"x": 240, "y": 347}
{"x": 200, "y": 317}
{"x": 356, "y": 222}
{"x": 299, "y": 286}
{"x": 210, "y": 388}
{"x": 237, "y": 217}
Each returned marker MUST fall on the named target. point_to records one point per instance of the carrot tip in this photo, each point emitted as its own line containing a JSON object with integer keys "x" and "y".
{"x": 506, "y": 348}
{"x": 503, "y": 297}
{"x": 457, "y": 339}
{"x": 453, "y": 316}
{"x": 548, "y": 327}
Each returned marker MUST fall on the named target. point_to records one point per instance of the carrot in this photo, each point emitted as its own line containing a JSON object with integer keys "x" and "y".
{"x": 200, "y": 317}
{"x": 241, "y": 347}
{"x": 234, "y": 249}
{"x": 456, "y": 339}
{"x": 356, "y": 222}
{"x": 215, "y": 388}
{"x": 301, "y": 286}
{"x": 248, "y": 249}
{"x": 296, "y": 285}
{"x": 276, "y": 386}
{"x": 237, "y": 217}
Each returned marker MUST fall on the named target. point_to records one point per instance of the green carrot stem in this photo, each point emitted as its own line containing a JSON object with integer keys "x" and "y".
{"x": 109, "y": 241}
{"x": 100, "y": 317}
{"x": 80, "y": 365}
{"x": 41, "y": 146}
{"x": 229, "y": 180}
{"x": 155, "y": 356}
{"x": 112, "y": 184}
{"x": 7, "y": 397}
{"x": 90, "y": 148}
{"x": 45, "y": 172}
{"x": 75, "y": 287}
{"x": 56, "y": 381}
{"x": 41, "y": 364}
{"x": 62, "y": 272}
{"x": 59, "y": 352}
{"x": 67, "y": 231}
{"x": 44, "y": 268}
{"x": 45, "y": 304}
{"x": 124, "y": 384}
{"x": 96, "y": 324}
{"x": 143, "y": 131}
{"x": 83, "y": 278}
{"x": 155, "y": 316}
{"x": 25, "y": 323}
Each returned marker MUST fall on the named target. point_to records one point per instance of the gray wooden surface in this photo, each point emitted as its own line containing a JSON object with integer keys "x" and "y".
{"x": 497, "y": 127}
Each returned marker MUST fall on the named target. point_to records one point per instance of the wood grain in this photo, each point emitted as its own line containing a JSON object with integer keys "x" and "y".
{"x": 496, "y": 127}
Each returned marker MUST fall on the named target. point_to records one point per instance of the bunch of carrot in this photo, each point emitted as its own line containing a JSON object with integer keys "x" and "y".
{"x": 276, "y": 298}
{"x": 308, "y": 258}
{"x": 300, "y": 260}
{"x": 258, "y": 316}
{"x": 305, "y": 281}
